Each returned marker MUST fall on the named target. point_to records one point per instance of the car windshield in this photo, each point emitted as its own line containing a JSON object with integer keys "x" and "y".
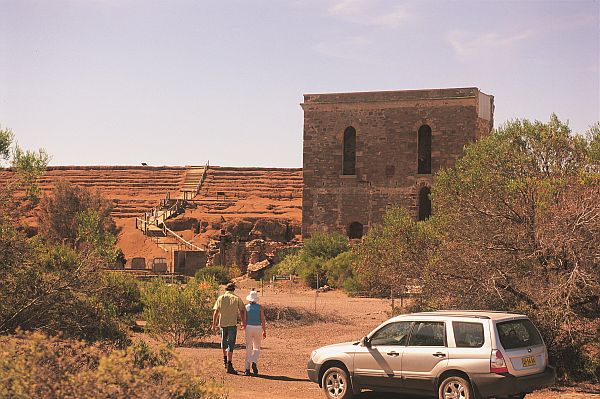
{"x": 516, "y": 334}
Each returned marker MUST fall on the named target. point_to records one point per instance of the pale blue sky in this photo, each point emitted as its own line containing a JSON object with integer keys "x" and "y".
{"x": 114, "y": 82}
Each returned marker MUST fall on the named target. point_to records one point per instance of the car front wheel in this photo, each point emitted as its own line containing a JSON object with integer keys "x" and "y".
{"x": 455, "y": 388}
{"x": 336, "y": 383}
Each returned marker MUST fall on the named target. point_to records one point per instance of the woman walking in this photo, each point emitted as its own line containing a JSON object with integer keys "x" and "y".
{"x": 255, "y": 332}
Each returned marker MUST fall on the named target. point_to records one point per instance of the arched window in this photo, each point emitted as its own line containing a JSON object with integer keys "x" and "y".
{"x": 424, "y": 150}
{"x": 349, "y": 161}
{"x": 355, "y": 230}
{"x": 424, "y": 203}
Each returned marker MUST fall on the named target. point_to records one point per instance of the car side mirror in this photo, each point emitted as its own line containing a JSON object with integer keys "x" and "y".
{"x": 366, "y": 342}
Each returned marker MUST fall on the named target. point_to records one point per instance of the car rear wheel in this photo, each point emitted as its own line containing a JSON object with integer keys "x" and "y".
{"x": 455, "y": 388}
{"x": 336, "y": 383}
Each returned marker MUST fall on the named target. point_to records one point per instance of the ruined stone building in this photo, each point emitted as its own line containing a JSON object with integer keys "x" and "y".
{"x": 364, "y": 152}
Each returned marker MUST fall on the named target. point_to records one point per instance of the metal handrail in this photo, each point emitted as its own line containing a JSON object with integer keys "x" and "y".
{"x": 187, "y": 243}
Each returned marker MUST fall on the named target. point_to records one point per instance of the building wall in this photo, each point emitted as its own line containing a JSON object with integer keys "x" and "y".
{"x": 386, "y": 126}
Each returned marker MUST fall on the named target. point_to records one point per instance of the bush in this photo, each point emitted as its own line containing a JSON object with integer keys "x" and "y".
{"x": 75, "y": 216}
{"x": 60, "y": 290}
{"x": 121, "y": 295}
{"x": 325, "y": 246}
{"x": 353, "y": 287}
{"x": 319, "y": 257}
{"x": 234, "y": 272}
{"x": 218, "y": 273}
{"x": 340, "y": 269}
{"x": 37, "y": 366}
{"x": 179, "y": 314}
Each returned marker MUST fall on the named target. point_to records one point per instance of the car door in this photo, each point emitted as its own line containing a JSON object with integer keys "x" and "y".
{"x": 523, "y": 346}
{"x": 425, "y": 354}
{"x": 378, "y": 363}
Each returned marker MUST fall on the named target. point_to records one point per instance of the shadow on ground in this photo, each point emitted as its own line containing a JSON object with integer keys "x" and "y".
{"x": 382, "y": 395}
{"x": 214, "y": 345}
{"x": 280, "y": 378}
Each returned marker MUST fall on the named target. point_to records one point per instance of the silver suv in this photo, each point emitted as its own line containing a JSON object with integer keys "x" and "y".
{"x": 453, "y": 354}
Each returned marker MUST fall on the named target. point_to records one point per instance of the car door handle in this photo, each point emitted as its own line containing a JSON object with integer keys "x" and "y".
{"x": 393, "y": 353}
{"x": 439, "y": 354}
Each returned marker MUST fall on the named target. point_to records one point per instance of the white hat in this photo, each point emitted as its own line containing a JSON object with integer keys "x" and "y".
{"x": 252, "y": 296}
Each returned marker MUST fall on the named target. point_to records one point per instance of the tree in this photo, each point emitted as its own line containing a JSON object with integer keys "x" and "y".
{"x": 74, "y": 215}
{"x": 520, "y": 214}
{"x": 179, "y": 314}
{"x": 6, "y": 139}
{"x": 27, "y": 167}
{"x": 56, "y": 284}
{"x": 396, "y": 253}
{"x": 310, "y": 261}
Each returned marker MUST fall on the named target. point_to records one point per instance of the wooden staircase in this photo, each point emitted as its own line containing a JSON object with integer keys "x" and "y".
{"x": 193, "y": 181}
{"x": 152, "y": 224}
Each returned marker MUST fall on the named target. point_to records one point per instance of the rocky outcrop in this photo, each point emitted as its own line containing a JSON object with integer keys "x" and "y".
{"x": 256, "y": 270}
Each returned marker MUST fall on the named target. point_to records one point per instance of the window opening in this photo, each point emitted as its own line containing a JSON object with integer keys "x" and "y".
{"x": 355, "y": 230}
{"x": 349, "y": 160}
{"x": 424, "y": 150}
{"x": 424, "y": 204}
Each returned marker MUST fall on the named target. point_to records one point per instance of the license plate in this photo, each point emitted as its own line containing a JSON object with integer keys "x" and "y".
{"x": 528, "y": 361}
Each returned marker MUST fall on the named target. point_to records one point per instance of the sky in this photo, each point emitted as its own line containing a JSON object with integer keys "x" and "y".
{"x": 182, "y": 82}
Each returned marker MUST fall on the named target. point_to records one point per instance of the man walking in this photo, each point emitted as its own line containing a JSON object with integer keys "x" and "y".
{"x": 226, "y": 310}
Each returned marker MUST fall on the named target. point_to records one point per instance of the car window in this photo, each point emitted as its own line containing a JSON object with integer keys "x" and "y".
{"x": 392, "y": 334}
{"x": 518, "y": 334}
{"x": 428, "y": 333}
{"x": 468, "y": 335}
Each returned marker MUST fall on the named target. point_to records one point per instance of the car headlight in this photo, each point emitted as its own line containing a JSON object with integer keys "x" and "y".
{"x": 313, "y": 354}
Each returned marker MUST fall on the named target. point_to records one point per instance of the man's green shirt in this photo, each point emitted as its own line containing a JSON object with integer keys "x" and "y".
{"x": 228, "y": 306}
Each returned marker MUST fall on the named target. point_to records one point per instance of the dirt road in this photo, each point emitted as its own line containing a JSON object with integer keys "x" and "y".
{"x": 289, "y": 344}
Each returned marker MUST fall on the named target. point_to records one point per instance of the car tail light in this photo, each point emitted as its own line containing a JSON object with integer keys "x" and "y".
{"x": 497, "y": 363}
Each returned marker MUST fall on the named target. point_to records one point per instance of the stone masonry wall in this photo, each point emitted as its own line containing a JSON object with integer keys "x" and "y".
{"x": 386, "y": 126}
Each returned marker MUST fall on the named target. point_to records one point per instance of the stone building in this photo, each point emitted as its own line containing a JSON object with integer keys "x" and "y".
{"x": 364, "y": 152}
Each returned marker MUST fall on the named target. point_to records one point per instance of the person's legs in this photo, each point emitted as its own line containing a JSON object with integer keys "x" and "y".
{"x": 224, "y": 337}
{"x": 255, "y": 333}
{"x": 249, "y": 346}
{"x": 230, "y": 344}
{"x": 257, "y": 344}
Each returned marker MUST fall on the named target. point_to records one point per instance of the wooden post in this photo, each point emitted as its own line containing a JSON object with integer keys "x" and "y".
{"x": 316, "y": 292}
{"x": 392, "y": 296}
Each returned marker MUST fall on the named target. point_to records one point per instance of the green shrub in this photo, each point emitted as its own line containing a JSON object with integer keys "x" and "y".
{"x": 353, "y": 287}
{"x": 41, "y": 367}
{"x": 61, "y": 290}
{"x": 325, "y": 246}
{"x": 121, "y": 295}
{"x": 318, "y": 257}
{"x": 339, "y": 269}
{"x": 219, "y": 273}
{"x": 179, "y": 314}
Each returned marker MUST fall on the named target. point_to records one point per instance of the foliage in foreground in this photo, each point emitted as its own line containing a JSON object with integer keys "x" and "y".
{"x": 59, "y": 290}
{"x": 179, "y": 314}
{"x": 37, "y": 366}
{"x": 56, "y": 284}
